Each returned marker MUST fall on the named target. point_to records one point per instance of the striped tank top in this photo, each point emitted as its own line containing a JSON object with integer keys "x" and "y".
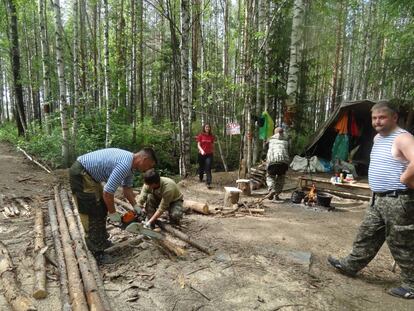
{"x": 384, "y": 170}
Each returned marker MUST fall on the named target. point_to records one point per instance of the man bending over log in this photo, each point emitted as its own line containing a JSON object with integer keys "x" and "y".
{"x": 158, "y": 195}
{"x": 116, "y": 167}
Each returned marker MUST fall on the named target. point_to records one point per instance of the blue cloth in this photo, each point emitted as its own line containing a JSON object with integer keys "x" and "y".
{"x": 112, "y": 165}
{"x": 384, "y": 170}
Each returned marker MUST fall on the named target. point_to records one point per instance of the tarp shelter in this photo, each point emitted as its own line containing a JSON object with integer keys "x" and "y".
{"x": 324, "y": 138}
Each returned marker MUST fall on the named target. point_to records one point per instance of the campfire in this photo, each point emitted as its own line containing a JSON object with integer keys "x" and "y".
{"x": 310, "y": 198}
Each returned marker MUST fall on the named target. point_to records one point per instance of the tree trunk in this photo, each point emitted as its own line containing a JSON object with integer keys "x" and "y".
{"x": 185, "y": 105}
{"x": 106, "y": 65}
{"x": 294, "y": 60}
{"x": 20, "y": 115}
{"x": 62, "y": 84}
{"x": 76, "y": 85}
{"x": 132, "y": 91}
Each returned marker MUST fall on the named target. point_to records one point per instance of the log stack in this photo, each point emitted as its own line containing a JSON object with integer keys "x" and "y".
{"x": 257, "y": 176}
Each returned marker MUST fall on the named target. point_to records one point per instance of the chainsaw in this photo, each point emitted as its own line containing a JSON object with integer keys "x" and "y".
{"x": 132, "y": 222}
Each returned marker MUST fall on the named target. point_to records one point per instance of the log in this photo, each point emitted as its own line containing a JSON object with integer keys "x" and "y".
{"x": 89, "y": 282}
{"x": 17, "y": 299}
{"x": 236, "y": 207}
{"x": 170, "y": 246}
{"x": 34, "y": 160}
{"x": 198, "y": 207}
{"x": 123, "y": 244}
{"x": 23, "y": 204}
{"x": 8, "y": 211}
{"x": 252, "y": 210}
{"x": 76, "y": 290}
{"x": 231, "y": 195}
{"x": 244, "y": 186}
{"x": 14, "y": 209}
{"x": 39, "y": 289}
{"x": 91, "y": 259}
{"x": 124, "y": 204}
{"x": 64, "y": 290}
{"x": 184, "y": 237}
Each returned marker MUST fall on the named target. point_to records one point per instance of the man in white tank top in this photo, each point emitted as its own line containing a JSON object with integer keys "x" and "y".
{"x": 390, "y": 216}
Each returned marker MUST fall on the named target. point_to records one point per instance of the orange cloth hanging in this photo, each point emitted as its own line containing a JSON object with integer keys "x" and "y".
{"x": 342, "y": 125}
{"x": 355, "y": 132}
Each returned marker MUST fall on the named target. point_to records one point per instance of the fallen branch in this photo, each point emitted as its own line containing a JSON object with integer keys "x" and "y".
{"x": 34, "y": 160}
{"x": 18, "y": 300}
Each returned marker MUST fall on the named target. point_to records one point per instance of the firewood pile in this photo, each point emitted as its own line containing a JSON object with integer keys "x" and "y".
{"x": 14, "y": 207}
{"x": 242, "y": 209}
{"x": 257, "y": 176}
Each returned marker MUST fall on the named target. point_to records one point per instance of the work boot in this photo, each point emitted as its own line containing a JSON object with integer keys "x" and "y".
{"x": 103, "y": 258}
{"x": 276, "y": 199}
{"x": 271, "y": 195}
{"x": 341, "y": 268}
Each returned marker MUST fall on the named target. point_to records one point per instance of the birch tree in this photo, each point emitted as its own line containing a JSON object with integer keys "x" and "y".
{"x": 185, "y": 87}
{"x": 63, "y": 105}
{"x": 106, "y": 66}
{"x": 295, "y": 59}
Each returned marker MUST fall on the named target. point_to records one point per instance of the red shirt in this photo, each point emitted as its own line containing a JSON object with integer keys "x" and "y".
{"x": 206, "y": 142}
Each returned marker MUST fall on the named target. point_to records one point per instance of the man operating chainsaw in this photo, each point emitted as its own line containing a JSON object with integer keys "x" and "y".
{"x": 158, "y": 195}
{"x": 116, "y": 167}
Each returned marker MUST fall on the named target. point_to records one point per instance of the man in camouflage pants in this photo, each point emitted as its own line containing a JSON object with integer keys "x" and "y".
{"x": 390, "y": 216}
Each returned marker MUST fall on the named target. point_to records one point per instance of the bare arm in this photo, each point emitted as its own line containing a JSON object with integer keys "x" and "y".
{"x": 404, "y": 144}
{"x": 129, "y": 195}
{"x": 109, "y": 202}
{"x": 154, "y": 217}
{"x": 200, "y": 149}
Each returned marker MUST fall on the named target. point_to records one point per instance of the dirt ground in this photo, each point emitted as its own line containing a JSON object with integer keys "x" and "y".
{"x": 273, "y": 262}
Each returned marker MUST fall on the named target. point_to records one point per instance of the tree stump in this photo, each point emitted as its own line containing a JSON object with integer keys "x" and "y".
{"x": 244, "y": 186}
{"x": 231, "y": 196}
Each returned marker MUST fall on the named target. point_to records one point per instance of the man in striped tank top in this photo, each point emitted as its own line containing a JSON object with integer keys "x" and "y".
{"x": 390, "y": 216}
{"x": 116, "y": 168}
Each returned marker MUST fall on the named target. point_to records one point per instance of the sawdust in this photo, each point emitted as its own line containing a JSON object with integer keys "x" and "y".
{"x": 248, "y": 271}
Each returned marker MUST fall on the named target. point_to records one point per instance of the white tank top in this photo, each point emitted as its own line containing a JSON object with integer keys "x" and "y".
{"x": 384, "y": 170}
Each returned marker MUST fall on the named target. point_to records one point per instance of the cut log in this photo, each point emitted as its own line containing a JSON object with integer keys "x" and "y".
{"x": 231, "y": 196}
{"x": 76, "y": 290}
{"x": 14, "y": 209}
{"x": 171, "y": 247}
{"x": 236, "y": 207}
{"x": 8, "y": 212}
{"x": 64, "y": 290}
{"x": 244, "y": 186}
{"x": 17, "y": 299}
{"x": 91, "y": 259}
{"x": 39, "y": 289}
{"x": 89, "y": 282}
{"x": 252, "y": 210}
{"x": 198, "y": 207}
{"x": 23, "y": 204}
{"x": 183, "y": 236}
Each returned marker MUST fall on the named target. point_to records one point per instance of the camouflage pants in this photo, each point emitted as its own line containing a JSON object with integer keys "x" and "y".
{"x": 389, "y": 219}
{"x": 92, "y": 209}
{"x": 175, "y": 210}
{"x": 275, "y": 183}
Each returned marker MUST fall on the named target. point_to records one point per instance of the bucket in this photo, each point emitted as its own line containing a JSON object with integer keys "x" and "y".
{"x": 323, "y": 199}
{"x": 297, "y": 196}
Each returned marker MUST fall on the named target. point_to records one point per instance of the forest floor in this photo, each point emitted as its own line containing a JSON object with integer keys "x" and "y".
{"x": 273, "y": 262}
